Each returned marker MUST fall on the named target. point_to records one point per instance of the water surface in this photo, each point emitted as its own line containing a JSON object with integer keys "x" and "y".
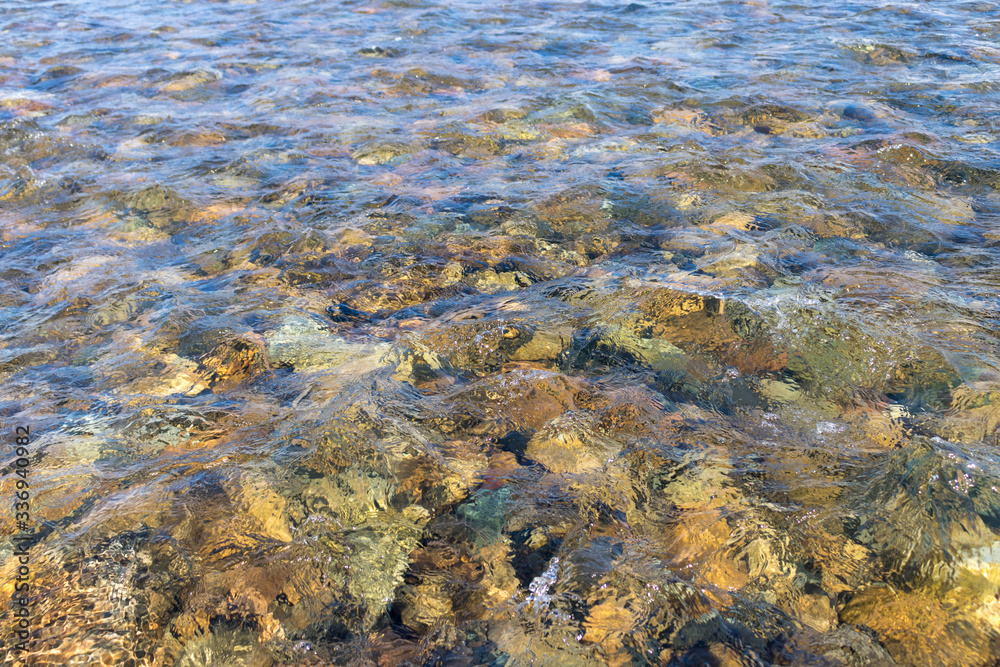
{"x": 472, "y": 333}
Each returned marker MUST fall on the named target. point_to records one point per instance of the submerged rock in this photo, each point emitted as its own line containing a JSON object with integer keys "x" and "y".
{"x": 225, "y": 648}
{"x": 305, "y": 343}
{"x": 852, "y": 646}
{"x": 920, "y": 630}
{"x": 520, "y": 400}
{"x": 619, "y": 346}
{"x": 817, "y": 612}
{"x": 161, "y": 207}
{"x": 922, "y": 505}
{"x": 380, "y": 152}
{"x": 543, "y": 346}
{"x": 569, "y": 444}
{"x": 450, "y": 584}
{"x": 111, "y": 599}
{"x": 233, "y": 362}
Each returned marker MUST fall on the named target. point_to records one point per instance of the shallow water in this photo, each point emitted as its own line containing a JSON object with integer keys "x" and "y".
{"x": 576, "y": 333}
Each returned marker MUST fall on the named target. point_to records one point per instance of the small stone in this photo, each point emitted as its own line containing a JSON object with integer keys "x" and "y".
{"x": 782, "y": 391}
{"x": 423, "y": 607}
{"x": 305, "y": 343}
{"x": 852, "y": 646}
{"x": 268, "y": 508}
{"x": 375, "y": 153}
{"x": 378, "y": 52}
{"x": 661, "y": 355}
{"x": 543, "y": 346}
{"x": 233, "y": 362}
{"x": 918, "y": 629}
{"x": 735, "y": 220}
{"x": 162, "y": 207}
{"x": 453, "y": 272}
{"x": 491, "y": 282}
{"x": 353, "y": 236}
{"x": 608, "y": 622}
{"x": 816, "y": 612}
{"x": 567, "y": 444}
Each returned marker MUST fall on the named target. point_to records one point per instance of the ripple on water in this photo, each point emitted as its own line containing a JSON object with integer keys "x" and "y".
{"x": 410, "y": 333}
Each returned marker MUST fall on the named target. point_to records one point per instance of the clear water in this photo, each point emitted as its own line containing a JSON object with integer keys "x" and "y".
{"x": 479, "y": 333}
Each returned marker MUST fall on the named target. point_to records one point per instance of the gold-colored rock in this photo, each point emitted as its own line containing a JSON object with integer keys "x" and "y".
{"x": 268, "y": 508}
{"x": 543, "y": 346}
{"x": 921, "y": 630}
{"x": 567, "y": 445}
{"x": 232, "y": 363}
{"x": 816, "y": 612}
{"x": 686, "y": 118}
{"x": 499, "y": 578}
{"x": 735, "y": 220}
{"x": 427, "y": 606}
{"x": 571, "y": 130}
{"x": 608, "y": 622}
{"x": 525, "y": 399}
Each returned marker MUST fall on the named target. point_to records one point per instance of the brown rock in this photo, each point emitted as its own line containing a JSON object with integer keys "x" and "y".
{"x": 851, "y": 646}
{"x": 544, "y": 346}
{"x": 232, "y": 363}
{"x": 919, "y": 630}
{"x": 735, "y": 220}
{"x": 816, "y": 612}
{"x": 268, "y": 508}
{"x": 700, "y": 540}
{"x": 687, "y": 119}
{"x": 522, "y": 399}
{"x": 567, "y": 444}
{"x": 608, "y": 622}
